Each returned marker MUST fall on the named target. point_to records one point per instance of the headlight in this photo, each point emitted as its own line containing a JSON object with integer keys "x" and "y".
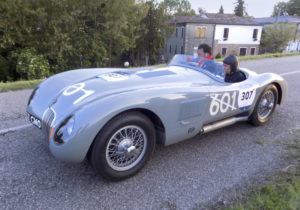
{"x": 64, "y": 131}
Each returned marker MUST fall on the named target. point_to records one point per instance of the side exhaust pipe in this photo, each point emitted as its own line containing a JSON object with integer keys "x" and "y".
{"x": 222, "y": 123}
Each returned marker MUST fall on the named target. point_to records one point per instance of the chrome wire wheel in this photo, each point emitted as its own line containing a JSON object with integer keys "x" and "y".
{"x": 266, "y": 104}
{"x": 126, "y": 148}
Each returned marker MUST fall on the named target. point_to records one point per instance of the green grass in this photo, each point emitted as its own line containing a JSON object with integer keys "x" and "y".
{"x": 281, "y": 193}
{"x": 18, "y": 85}
{"x": 263, "y": 56}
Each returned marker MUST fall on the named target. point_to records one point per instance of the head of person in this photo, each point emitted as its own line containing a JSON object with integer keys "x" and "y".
{"x": 204, "y": 50}
{"x": 230, "y": 64}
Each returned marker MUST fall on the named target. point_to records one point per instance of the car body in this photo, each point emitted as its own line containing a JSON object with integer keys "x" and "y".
{"x": 176, "y": 102}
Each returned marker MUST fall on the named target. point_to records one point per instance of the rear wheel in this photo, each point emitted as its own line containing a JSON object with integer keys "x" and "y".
{"x": 123, "y": 146}
{"x": 265, "y": 106}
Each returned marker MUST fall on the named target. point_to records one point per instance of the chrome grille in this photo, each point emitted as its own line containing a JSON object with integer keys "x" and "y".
{"x": 48, "y": 118}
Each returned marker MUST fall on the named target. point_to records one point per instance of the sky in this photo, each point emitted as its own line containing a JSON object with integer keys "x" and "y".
{"x": 256, "y": 8}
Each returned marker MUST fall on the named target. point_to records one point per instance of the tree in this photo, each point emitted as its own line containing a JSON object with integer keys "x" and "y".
{"x": 292, "y": 7}
{"x": 240, "y": 9}
{"x": 177, "y": 8}
{"x": 221, "y": 10}
{"x": 277, "y": 36}
{"x": 281, "y": 8}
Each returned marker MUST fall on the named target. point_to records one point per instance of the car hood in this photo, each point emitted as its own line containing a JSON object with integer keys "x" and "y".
{"x": 72, "y": 89}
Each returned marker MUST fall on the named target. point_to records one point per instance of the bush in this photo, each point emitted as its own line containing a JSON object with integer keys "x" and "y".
{"x": 30, "y": 65}
{"x": 4, "y": 67}
{"x": 218, "y": 56}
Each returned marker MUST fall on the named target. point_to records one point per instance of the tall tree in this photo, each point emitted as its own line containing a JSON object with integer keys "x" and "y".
{"x": 240, "y": 9}
{"x": 221, "y": 10}
{"x": 280, "y": 8}
{"x": 178, "y": 8}
{"x": 294, "y": 7}
{"x": 277, "y": 36}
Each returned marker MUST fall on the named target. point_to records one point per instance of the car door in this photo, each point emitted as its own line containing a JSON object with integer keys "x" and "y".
{"x": 230, "y": 99}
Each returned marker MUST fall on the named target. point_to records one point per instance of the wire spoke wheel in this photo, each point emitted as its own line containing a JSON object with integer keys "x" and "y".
{"x": 266, "y": 105}
{"x": 126, "y": 148}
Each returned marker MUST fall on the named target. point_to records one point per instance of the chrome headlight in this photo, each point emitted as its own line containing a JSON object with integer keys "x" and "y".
{"x": 64, "y": 131}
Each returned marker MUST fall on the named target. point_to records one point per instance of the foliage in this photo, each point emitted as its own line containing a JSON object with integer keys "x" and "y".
{"x": 218, "y": 56}
{"x": 71, "y": 34}
{"x": 221, "y": 10}
{"x": 292, "y": 7}
{"x": 240, "y": 9}
{"x": 30, "y": 65}
{"x": 178, "y": 8}
{"x": 275, "y": 37}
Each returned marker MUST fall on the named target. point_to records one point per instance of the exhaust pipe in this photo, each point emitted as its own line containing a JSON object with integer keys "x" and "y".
{"x": 222, "y": 123}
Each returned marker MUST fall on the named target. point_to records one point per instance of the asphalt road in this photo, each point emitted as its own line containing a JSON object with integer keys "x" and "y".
{"x": 191, "y": 174}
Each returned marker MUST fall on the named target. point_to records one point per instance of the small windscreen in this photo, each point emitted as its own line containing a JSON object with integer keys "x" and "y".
{"x": 209, "y": 67}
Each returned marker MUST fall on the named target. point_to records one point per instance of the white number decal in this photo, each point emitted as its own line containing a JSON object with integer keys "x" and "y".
{"x": 76, "y": 88}
{"x": 246, "y": 97}
{"x": 222, "y": 104}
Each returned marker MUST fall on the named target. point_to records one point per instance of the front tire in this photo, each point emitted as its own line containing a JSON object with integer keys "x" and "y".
{"x": 265, "y": 106}
{"x": 123, "y": 146}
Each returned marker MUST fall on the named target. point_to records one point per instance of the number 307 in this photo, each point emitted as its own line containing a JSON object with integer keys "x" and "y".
{"x": 246, "y": 95}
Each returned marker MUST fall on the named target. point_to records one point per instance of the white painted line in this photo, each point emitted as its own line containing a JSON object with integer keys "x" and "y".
{"x": 290, "y": 73}
{"x": 14, "y": 128}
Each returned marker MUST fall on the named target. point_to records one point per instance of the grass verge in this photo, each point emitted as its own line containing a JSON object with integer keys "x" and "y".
{"x": 263, "y": 56}
{"x": 283, "y": 192}
{"x": 18, "y": 85}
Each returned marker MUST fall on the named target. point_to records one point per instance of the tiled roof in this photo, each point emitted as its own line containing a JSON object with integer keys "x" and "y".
{"x": 215, "y": 18}
{"x": 280, "y": 19}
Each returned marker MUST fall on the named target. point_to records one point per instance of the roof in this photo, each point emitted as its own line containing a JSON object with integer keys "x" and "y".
{"x": 280, "y": 19}
{"x": 215, "y": 18}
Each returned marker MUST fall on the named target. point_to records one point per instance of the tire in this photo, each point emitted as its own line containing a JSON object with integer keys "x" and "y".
{"x": 265, "y": 106}
{"x": 123, "y": 146}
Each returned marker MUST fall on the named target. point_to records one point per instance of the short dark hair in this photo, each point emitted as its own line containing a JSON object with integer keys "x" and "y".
{"x": 206, "y": 48}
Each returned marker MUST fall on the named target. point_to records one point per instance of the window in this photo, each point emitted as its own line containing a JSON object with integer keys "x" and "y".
{"x": 182, "y": 32}
{"x": 170, "y": 49}
{"x": 254, "y": 36}
{"x": 252, "y": 51}
{"x": 243, "y": 51}
{"x": 181, "y": 50}
{"x": 200, "y": 32}
{"x": 225, "y": 34}
{"x": 176, "y": 31}
{"x": 203, "y": 32}
{"x": 175, "y": 49}
{"x": 224, "y": 51}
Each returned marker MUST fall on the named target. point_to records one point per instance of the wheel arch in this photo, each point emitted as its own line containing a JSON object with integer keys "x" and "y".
{"x": 279, "y": 89}
{"x": 158, "y": 125}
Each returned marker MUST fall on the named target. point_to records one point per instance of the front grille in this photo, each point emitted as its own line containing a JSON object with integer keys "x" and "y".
{"x": 48, "y": 118}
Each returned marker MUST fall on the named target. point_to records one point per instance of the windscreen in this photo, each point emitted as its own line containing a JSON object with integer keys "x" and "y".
{"x": 208, "y": 67}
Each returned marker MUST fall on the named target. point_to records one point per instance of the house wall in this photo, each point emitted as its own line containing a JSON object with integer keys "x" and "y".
{"x": 235, "y": 48}
{"x": 175, "y": 42}
{"x": 238, "y": 34}
{"x": 192, "y": 41}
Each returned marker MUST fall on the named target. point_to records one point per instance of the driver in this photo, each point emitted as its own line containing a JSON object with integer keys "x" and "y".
{"x": 233, "y": 74}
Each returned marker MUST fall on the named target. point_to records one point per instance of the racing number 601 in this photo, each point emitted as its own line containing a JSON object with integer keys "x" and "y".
{"x": 222, "y": 104}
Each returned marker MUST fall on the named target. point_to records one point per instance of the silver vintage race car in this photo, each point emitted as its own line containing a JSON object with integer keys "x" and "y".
{"x": 115, "y": 117}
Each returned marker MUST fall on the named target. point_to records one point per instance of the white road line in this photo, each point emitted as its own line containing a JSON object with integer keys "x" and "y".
{"x": 290, "y": 73}
{"x": 14, "y": 128}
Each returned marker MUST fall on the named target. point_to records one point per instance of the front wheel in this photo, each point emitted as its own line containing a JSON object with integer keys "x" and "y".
{"x": 123, "y": 146}
{"x": 265, "y": 106}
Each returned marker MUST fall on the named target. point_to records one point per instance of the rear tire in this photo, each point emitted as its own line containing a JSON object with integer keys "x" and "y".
{"x": 265, "y": 106}
{"x": 123, "y": 146}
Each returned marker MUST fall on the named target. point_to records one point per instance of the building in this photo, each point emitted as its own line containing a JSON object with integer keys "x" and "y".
{"x": 226, "y": 33}
{"x": 293, "y": 45}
